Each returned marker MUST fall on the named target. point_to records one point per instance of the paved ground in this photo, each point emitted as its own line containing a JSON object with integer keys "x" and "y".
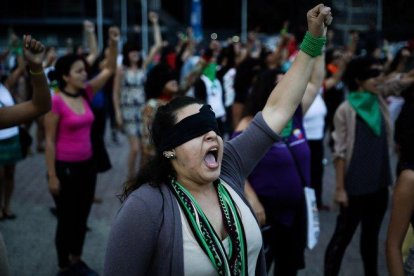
{"x": 29, "y": 238}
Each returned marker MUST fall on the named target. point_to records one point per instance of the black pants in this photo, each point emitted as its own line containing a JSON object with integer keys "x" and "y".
{"x": 368, "y": 210}
{"x": 316, "y": 148}
{"x": 285, "y": 245}
{"x": 73, "y": 204}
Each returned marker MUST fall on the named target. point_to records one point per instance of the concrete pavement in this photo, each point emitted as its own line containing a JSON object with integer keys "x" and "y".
{"x": 30, "y": 237}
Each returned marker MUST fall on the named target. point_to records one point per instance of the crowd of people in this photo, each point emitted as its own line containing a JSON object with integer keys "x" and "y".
{"x": 230, "y": 139}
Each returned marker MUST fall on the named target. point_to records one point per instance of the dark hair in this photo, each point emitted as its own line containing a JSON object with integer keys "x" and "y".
{"x": 157, "y": 78}
{"x": 229, "y": 54}
{"x": 246, "y": 72}
{"x": 62, "y": 68}
{"x": 332, "y": 54}
{"x": 261, "y": 90}
{"x": 356, "y": 69}
{"x": 159, "y": 169}
{"x": 165, "y": 51}
{"x": 130, "y": 47}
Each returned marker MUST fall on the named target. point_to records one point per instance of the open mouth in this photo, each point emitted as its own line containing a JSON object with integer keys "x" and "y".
{"x": 211, "y": 158}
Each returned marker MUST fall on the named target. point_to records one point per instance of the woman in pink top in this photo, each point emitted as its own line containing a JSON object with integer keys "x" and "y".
{"x": 70, "y": 170}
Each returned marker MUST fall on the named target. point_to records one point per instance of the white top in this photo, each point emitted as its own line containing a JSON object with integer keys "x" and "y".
{"x": 314, "y": 119}
{"x": 7, "y": 100}
{"x": 196, "y": 262}
{"x": 214, "y": 96}
{"x": 228, "y": 82}
{"x": 395, "y": 104}
{"x": 47, "y": 70}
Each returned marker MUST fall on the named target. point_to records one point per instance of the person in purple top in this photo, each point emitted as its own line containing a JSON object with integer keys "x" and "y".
{"x": 275, "y": 186}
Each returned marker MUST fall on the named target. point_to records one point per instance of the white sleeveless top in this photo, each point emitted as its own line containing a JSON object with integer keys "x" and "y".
{"x": 314, "y": 119}
{"x": 214, "y": 96}
{"x": 196, "y": 262}
{"x": 7, "y": 100}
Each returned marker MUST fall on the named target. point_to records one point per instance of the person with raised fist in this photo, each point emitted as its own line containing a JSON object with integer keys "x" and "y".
{"x": 186, "y": 212}
{"x": 71, "y": 169}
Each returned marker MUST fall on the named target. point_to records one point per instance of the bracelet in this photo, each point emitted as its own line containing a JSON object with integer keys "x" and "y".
{"x": 36, "y": 73}
{"x": 312, "y": 45}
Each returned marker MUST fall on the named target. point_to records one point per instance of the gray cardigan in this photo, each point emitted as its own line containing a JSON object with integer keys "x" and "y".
{"x": 146, "y": 237}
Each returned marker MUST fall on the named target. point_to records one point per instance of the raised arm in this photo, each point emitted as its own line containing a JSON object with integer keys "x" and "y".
{"x": 153, "y": 17}
{"x": 110, "y": 66}
{"x": 190, "y": 47}
{"x": 314, "y": 84}
{"x": 91, "y": 41}
{"x": 116, "y": 96}
{"x": 280, "y": 53}
{"x": 396, "y": 84}
{"x": 353, "y": 42}
{"x": 192, "y": 77}
{"x": 40, "y": 103}
{"x": 337, "y": 76}
{"x": 16, "y": 74}
{"x": 287, "y": 95}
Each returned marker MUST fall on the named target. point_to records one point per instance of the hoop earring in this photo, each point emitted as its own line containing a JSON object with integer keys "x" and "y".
{"x": 169, "y": 155}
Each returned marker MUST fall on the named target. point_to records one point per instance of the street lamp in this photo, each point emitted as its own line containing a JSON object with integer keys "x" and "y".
{"x": 99, "y": 23}
{"x": 244, "y": 21}
{"x": 144, "y": 16}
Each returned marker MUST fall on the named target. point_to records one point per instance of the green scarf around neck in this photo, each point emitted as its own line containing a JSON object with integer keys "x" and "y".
{"x": 210, "y": 71}
{"x": 367, "y": 107}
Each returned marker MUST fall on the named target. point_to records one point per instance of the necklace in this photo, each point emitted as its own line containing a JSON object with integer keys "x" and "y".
{"x": 234, "y": 263}
{"x": 70, "y": 94}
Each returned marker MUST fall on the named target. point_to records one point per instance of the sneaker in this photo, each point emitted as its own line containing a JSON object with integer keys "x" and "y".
{"x": 82, "y": 269}
{"x": 64, "y": 272}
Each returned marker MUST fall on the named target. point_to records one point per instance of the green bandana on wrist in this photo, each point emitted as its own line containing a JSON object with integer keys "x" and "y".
{"x": 367, "y": 107}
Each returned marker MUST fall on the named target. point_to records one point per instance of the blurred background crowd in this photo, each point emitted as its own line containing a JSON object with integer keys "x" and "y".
{"x": 228, "y": 54}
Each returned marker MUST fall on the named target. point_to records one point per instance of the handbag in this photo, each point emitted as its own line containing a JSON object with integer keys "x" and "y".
{"x": 312, "y": 215}
{"x": 100, "y": 155}
{"x": 26, "y": 141}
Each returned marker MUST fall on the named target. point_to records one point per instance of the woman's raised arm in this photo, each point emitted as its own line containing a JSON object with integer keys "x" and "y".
{"x": 288, "y": 94}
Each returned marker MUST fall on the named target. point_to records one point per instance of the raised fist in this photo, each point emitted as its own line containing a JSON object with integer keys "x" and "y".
{"x": 114, "y": 33}
{"x": 34, "y": 51}
{"x": 153, "y": 17}
{"x": 88, "y": 26}
{"x": 319, "y": 18}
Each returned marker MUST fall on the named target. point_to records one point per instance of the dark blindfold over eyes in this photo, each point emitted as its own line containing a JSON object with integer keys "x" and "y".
{"x": 370, "y": 73}
{"x": 190, "y": 128}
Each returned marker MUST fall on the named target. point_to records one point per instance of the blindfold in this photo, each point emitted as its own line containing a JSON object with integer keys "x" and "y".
{"x": 189, "y": 128}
